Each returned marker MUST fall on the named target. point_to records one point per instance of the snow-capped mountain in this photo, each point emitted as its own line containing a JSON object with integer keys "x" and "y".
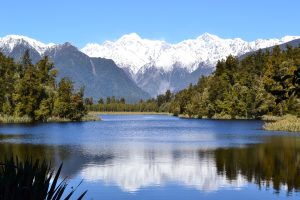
{"x": 9, "y": 42}
{"x": 101, "y": 77}
{"x": 136, "y": 54}
{"x": 156, "y": 65}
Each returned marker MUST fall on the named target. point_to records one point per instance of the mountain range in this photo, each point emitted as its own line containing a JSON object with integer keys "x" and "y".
{"x": 133, "y": 67}
{"x": 156, "y": 65}
{"x": 101, "y": 77}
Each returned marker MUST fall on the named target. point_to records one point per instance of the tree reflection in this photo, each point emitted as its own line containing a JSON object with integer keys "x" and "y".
{"x": 73, "y": 158}
{"x": 275, "y": 163}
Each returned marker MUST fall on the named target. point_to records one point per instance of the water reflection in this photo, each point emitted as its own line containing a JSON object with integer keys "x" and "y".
{"x": 141, "y": 168}
{"x": 11, "y": 137}
{"x": 275, "y": 164}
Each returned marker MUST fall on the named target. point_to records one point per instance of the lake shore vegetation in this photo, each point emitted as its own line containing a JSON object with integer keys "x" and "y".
{"x": 158, "y": 105}
{"x": 29, "y": 93}
{"x": 289, "y": 123}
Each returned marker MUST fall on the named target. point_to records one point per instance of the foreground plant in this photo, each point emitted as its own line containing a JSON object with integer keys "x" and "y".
{"x": 32, "y": 180}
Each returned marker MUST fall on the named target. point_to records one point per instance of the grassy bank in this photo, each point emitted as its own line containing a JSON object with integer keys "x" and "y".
{"x": 128, "y": 113}
{"x": 86, "y": 118}
{"x": 216, "y": 117}
{"x": 6, "y": 119}
{"x": 289, "y": 123}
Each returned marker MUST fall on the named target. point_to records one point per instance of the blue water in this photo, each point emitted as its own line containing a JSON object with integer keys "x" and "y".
{"x": 163, "y": 157}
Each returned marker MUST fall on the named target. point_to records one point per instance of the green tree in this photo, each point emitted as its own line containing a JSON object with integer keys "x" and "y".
{"x": 28, "y": 93}
{"x": 100, "y": 101}
{"x": 62, "y": 103}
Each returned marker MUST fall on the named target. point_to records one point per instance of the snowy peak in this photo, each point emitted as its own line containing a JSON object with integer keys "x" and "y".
{"x": 207, "y": 37}
{"x": 135, "y": 53}
{"x": 8, "y": 42}
{"x": 130, "y": 51}
{"x": 130, "y": 37}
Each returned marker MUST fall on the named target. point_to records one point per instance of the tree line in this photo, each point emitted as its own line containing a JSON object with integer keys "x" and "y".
{"x": 263, "y": 83}
{"x": 112, "y": 104}
{"x": 30, "y": 90}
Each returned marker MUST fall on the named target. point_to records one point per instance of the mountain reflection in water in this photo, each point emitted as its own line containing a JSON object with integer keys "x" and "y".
{"x": 275, "y": 164}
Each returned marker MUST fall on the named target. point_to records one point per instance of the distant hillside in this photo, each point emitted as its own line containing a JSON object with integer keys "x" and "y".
{"x": 293, "y": 43}
{"x": 100, "y": 77}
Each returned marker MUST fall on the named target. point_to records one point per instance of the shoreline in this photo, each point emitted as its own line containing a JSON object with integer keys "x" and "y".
{"x": 217, "y": 117}
{"x": 286, "y": 123}
{"x": 289, "y": 123}
{"x": 128, "y": 113}
{"x": 27, "y": 120}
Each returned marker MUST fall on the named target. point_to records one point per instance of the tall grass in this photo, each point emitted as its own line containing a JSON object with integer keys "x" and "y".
{"x": 32, "y": 180}
{"x": 13, "y": 119}
{"x": 90, "y": 117}
{"x": 289, "y": 123}
{"x": 7, "y": 119}
{"x": 85, "y": 118}
{"x": 271, "y": 118}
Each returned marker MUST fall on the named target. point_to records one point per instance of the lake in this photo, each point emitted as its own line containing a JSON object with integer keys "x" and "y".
{"x": 165, "y": 157}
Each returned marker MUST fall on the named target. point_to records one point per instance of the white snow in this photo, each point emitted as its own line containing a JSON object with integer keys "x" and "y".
{"x": 134, "y": 53}
{"x": 10, "y": 41}
{"x": 137, "y": 54}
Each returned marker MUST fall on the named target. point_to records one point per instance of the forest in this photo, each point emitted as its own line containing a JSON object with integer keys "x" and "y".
{"x": 262, "y": 83}
{"x": 29, "y": 92}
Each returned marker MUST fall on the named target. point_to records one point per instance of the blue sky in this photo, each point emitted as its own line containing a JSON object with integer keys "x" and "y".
{"x": 83, "y": 21}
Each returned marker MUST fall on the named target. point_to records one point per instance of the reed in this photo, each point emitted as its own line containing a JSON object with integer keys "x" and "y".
{"x": 127, "y": 113}
{"x": 6, "y": 119}
{"x": 58, "y": 119}
{"x": 271, "y": 118}
{"x": 85, "y": 118}
{"x": 90, "y": 117}
{"x": 288, "y": 123}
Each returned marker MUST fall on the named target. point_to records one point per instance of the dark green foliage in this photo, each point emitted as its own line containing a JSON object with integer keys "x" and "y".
{"x": 89, "y": 101}
{"x": 160, "y": 104}
{"x": 31, "y": 180}
{"x": 272, "y": 164}
{"x": 69, "y": 104}
{"x": 259, "y": 84}
{"x": 30, "y": 90}
{"x": 101, "y": 101}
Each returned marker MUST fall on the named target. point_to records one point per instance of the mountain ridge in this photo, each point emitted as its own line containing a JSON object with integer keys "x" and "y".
{"x": 133, "y": 52}
{"x": 156, "y": 65}
{"x": 101, "y": 77}
{"x": 153, "y": 65}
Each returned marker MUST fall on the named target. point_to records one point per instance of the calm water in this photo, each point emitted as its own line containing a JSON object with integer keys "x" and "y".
{"x": 163, "y": 157}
